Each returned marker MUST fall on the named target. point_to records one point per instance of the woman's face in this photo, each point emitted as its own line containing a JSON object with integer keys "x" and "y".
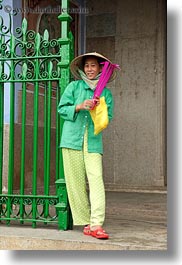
{"x": 91, "y": 67}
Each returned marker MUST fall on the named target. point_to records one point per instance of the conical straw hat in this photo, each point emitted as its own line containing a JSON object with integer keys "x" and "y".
{"x": 77, "y": 63}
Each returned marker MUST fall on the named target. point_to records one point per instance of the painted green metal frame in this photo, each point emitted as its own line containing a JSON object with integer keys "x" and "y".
{"x": 39, "y": 63}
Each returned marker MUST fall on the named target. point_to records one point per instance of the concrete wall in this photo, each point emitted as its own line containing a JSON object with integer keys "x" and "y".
{"x": 132, "y": 34}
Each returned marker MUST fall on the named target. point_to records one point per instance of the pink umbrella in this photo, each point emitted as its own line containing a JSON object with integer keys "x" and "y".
{"x": 107, "y": 71}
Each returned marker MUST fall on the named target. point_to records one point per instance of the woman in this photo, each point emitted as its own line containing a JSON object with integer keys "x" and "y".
{"x": 82, "y": 150}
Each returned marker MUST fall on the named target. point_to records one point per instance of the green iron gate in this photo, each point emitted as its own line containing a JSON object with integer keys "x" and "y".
{"x": 26, "y": 57}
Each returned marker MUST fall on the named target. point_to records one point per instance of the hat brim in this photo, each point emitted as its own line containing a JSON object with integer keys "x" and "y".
{"x": 77, "y": 63}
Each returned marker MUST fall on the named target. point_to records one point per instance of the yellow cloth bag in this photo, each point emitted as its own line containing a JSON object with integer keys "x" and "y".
{"x": 100, "y": 116}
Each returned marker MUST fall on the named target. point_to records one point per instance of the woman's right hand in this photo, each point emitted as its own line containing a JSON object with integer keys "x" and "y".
{"x": 85, "y": 105}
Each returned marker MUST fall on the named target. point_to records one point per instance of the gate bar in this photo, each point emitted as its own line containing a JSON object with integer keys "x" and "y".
{"x": 1, "y": 118}
{"x": 11, "y": 131}
{"x": 47, "y": 175}
{"x": 35, "y": 130}
{"x": 22, "y": 170}
{"x": 1, "y": 132}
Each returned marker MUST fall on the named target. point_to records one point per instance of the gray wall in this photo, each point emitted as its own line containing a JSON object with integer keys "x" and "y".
{"x": 132, "y": 34}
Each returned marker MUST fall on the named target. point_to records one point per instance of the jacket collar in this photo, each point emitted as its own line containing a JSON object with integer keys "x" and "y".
{"x": 85, "y": 85}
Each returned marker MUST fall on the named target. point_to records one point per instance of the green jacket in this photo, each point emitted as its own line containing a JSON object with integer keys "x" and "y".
{"x": 75, "y": 122}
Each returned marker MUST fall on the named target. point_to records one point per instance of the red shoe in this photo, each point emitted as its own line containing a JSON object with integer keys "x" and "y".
{"x": 87, "y": 231}
{"x": 99, "y": 233}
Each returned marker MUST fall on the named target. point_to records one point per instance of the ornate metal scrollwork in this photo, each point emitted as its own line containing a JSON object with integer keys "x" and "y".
{"x": 28, "y": 46}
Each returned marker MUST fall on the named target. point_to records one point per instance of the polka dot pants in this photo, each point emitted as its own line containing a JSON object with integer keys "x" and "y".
{"x": 77, "y": 166}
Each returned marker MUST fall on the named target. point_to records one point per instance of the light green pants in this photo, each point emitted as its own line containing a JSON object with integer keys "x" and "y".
{"x": 77, "y": 166}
